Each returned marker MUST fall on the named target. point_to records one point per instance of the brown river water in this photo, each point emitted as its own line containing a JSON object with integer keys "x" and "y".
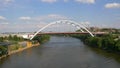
{"x": 62, "y": 52}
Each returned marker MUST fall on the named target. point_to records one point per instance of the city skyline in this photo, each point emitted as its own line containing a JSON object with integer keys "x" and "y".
{"x": 30, "y": 15}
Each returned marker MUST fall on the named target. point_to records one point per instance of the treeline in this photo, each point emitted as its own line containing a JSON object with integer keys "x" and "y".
{"x": 107, "y": 42}
{"x": 111, "y": 30}
{"x": 42, "y": 38}
{"x": 11, "y": 38}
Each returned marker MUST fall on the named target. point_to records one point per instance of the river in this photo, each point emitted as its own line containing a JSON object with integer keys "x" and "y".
{"x": 61, "y": 52}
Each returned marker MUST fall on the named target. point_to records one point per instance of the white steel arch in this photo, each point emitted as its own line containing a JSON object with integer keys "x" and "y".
{"x": 78, "y": 26}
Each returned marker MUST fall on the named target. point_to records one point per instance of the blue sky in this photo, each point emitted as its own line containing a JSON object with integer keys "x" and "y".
{"x": 14, "y": 14}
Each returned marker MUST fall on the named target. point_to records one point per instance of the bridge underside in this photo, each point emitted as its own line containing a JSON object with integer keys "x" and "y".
{"x": 56, "y": 33}
{"x": 64, "y": 33}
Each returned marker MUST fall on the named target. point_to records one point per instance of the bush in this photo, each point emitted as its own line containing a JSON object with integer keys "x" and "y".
{"x": 42, "y": 38}
{"x": 3, "y": 50}
{"x": 118, "y": 45}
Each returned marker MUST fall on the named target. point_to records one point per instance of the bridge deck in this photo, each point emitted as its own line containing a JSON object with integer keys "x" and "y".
{"x": 57, "y": 33}
{"x": 53, "y": 33}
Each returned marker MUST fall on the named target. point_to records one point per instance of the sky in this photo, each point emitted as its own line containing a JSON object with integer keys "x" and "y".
{"x": 31, "y": 15}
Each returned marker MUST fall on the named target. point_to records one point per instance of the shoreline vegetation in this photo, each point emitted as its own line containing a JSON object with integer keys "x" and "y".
{"x": 16, "y": 51}
{"x": 109, "y": 43}
{"x": 18, "y": 44}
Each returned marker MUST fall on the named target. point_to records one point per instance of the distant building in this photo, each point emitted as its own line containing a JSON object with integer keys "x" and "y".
{"x": 27, "y": 36}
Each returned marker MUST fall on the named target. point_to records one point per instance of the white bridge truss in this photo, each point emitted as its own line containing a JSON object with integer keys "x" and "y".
{"x": 74, "y": 24}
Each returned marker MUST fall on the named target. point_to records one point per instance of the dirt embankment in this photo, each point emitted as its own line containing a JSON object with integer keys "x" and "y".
{"x": 19, "y": 50}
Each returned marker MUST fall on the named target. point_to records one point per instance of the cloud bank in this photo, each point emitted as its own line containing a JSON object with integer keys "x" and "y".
{"x": 49, "y": 1}
{"x": 112, "y": 5}
{"x": 86, "y": 1}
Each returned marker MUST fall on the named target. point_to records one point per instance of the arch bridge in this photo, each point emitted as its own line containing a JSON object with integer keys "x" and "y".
{"x": 78, "y": 26}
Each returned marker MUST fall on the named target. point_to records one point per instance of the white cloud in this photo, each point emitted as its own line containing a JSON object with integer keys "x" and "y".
{"x": 25, "y": 18}
{"x": 65, "y": 0}
{"x": 4, "y": 23}
{"x": 6, "y": 2}
{"x": 86, "y": 23}
{"x": 31, "y": 23}
{"x": 46, "y": 18}
{"x": 50, "y": 17}
{"x": 86, "y": 1}
{"x": 49, "y": 1}
{"x": 56, "y": 16}
{"x": 2, "y": 18}
{"x": 112, "y": 5}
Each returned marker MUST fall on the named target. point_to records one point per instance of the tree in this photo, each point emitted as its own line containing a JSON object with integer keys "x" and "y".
{"x": 42, "y": 38}
{"x": 15, "y": 38}
{"x": 118, "y": 45}
{"x": 3, "y": 50}
{"x": 1, "y": 39}
{"x": 108, "y": 43}
{"x": 10, "y": 37}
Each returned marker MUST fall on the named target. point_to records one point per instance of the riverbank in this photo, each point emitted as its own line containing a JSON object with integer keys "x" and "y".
{"x": 106, "y": 42}
{"x": 17, "y": 46}
{"x": 19, "y": 50}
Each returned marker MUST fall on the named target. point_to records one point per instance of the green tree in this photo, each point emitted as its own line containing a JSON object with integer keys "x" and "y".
{"x": 94, "y": 41}
{"x": 3, "y": 50}
{"x": 42, "y": 38}
{"x": 10, "y": 37}
{"x": 15, "y": 38}
{"x": 108, "y": 43}
{"x": 118, "y": 45}
{"x": 1, "y": 39}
